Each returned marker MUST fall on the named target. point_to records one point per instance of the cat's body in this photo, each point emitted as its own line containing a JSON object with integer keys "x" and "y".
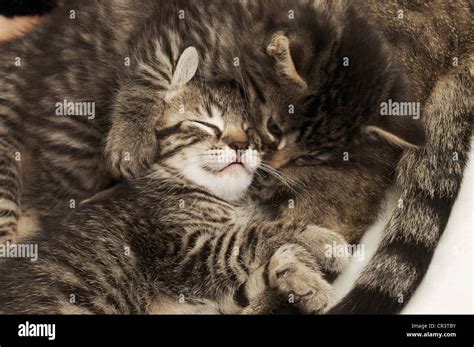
{"x": 77, "y": 56}
{"x": 180, "y": 239}
{"x": 333, "y": 104}
{"x": 120, "y": 252}
{"x": 83, "y": 64}
{"x": 430, "y": 43}
{"x": 63, "y": 152}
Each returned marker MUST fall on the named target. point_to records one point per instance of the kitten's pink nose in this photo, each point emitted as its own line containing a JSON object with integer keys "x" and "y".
{"x": 236, "y": 145}
{"x": 237, "y": 140}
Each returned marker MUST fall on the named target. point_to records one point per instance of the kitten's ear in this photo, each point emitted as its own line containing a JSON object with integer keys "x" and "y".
{"x": 279, "y": 49}
{"x": 186, "y": 67}
{"x": 403, "y": 131}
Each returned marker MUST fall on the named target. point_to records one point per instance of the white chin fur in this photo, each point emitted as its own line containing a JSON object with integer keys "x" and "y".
{"x": 230, "y": 187}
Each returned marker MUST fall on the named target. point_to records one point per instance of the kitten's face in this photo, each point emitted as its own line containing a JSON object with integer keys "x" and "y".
{"x": 322, "y": 80}
{"x": 202, "y": 136}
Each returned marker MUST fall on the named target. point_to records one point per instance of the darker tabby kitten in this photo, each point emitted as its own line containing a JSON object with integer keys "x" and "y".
{"x": 178, "y": 239}
{"x": 343, "y": 62}
{"x": 432, "y": 43}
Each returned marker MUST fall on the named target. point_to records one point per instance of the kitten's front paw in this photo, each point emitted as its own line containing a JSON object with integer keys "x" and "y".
{"x": 130, "y": 152}
{"x": 293, "y": 272}
{"x": 330, "y": 249}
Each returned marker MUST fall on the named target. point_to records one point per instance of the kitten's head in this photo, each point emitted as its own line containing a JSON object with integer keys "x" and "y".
{"x": 324, "y": 76}
{"x": 202, "y": 135}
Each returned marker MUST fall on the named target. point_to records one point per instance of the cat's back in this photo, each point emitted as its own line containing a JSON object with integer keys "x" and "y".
{"x": 76, "y": 53}
{"x": 433, "y": 25}
{"x": 427, "y": 38}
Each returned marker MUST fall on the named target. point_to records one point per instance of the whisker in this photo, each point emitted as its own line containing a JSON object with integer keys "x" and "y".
{"x": 279, "y": 173}
{"x": 290, "y": 184}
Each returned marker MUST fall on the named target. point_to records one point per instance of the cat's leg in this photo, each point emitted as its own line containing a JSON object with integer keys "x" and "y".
{"x": 131, "y": 145}
{"x": 235, "y": 266}
{"x": 323, "y": 245}
{"x": 330, "y": 249}
{"x": 297, "y": 273}
{"x": 293, "y": 272}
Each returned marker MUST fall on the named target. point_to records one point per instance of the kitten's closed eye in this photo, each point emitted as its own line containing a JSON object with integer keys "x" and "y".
{"x": 209, "y": 127}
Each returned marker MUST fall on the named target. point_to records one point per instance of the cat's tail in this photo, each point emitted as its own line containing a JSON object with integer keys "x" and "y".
{"x": 429, "y": 180}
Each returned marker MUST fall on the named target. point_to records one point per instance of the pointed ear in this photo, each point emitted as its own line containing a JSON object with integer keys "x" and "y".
{"x": 403, "y": 131}
{"x": 279, "y": 49}
{"x": 186, "y": 67}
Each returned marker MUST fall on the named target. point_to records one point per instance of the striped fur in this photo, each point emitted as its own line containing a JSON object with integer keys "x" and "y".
{"x": 429, "y": 181}
{"x": 400, "y": 58}
{"x": 52, "y": 162}
{"x": 402, "y": 50}
{"x": 60, "y": 156}
{"x": 136, "y": 249}
{"x": 80, "y": 55}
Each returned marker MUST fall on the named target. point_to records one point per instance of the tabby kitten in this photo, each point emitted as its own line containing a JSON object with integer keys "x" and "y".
{"x": 314, "y": 74}
{"x": 324, "y": 70}
{"x": 65, "y": 152}
{"x": 433, "y": 44}
{"x": 94, "y": 55}
{"x": 182, "y": 232}
{"x": 343, "y": 63}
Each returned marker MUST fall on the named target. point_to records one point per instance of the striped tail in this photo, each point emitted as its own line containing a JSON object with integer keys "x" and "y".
{"x": 429, "y": 180}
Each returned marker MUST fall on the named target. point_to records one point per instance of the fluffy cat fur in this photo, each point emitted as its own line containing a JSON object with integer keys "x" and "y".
{"x": 295, "y": 61}
{"x": 174, "y": 241}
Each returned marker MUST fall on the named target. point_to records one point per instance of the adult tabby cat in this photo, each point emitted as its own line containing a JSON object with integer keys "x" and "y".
{"x": 315, "y": 74}
{"x": 178, "y": 239}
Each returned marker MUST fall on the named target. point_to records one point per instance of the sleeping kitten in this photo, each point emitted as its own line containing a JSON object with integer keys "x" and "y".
{"x": 314, "y": 74}
{"x": 337, "y": 63}
{"x": 53, "y": 148}
{"x": 63, "y": 152}
{"x": 180, "y": 239}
